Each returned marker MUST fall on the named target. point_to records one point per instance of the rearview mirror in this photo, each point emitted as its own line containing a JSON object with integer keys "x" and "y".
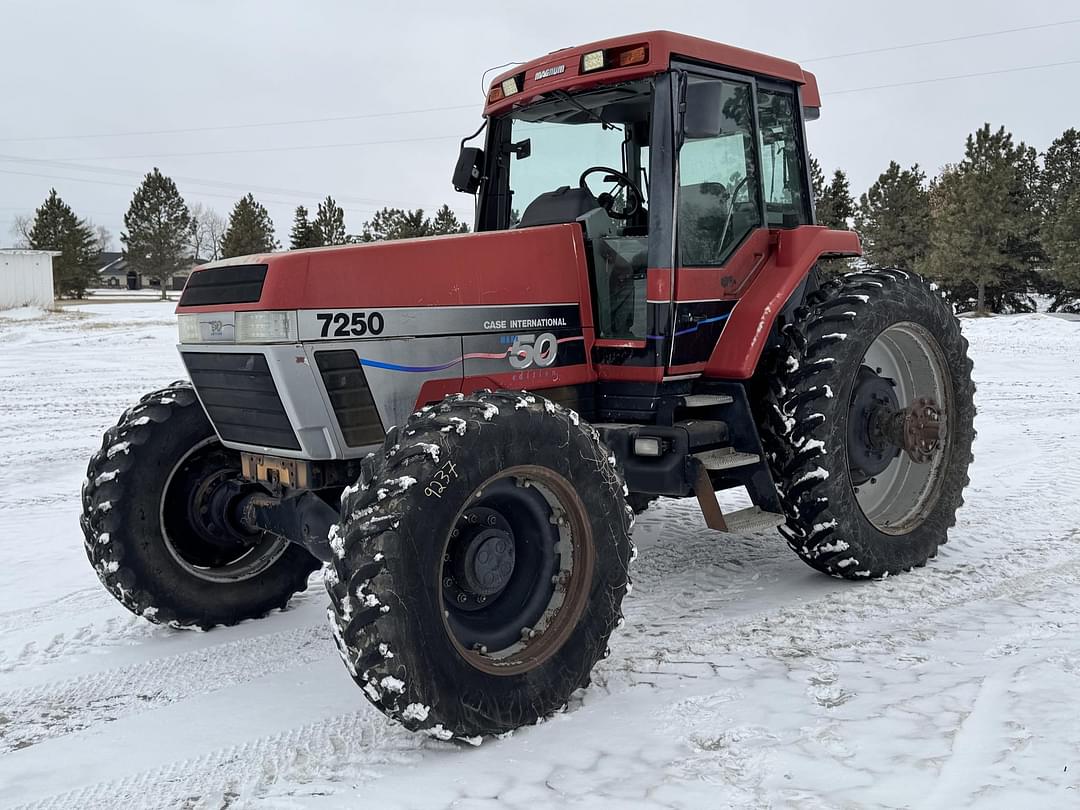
{"x": 469, "y": 169}
{"x": 704, "y": 116}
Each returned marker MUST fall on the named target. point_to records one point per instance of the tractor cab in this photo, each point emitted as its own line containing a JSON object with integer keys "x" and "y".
{"x": 588, "y": 136}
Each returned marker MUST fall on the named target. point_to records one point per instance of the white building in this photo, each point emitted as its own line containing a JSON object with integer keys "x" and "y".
{"x": 26, "y": 278}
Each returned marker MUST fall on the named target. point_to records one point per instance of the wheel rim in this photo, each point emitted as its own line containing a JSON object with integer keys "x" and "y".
{"x": 516, "y": 570}
{"x": 897, "y": 495}
{"x": 196, "y": 523}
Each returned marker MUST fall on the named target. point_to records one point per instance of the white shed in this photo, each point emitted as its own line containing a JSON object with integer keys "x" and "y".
{"x": 26, "y": 278}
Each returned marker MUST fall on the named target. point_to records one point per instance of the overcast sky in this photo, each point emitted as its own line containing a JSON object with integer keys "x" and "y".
{"x": 71, "y": 69}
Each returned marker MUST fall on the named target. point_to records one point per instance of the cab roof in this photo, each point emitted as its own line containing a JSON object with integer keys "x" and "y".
{"x": 561, "y": 70}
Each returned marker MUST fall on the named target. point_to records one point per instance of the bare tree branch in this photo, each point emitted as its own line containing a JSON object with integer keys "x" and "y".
{"x": 20, "y": 230}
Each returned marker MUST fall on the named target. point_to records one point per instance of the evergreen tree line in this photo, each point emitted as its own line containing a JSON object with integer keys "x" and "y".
{"x": 992, "y": 230}
{"x": 163, "y": 234}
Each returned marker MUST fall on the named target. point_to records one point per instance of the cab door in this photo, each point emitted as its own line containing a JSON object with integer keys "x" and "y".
{"x": 722, "y": 237}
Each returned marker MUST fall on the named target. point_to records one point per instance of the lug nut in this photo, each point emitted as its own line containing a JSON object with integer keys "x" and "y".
{"x": 462, "y": 598}
{"x": 448, "y": 582}
{"x": 491, "y": 520}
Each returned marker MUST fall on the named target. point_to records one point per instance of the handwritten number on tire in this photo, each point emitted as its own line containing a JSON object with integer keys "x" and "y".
{"x": 443, "y": 477}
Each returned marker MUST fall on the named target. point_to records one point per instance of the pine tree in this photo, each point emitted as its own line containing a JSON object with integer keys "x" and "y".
{"x": 836, "y": 207}
{"x": 893, "y": 219}
{"x": 985, "y": 224}
{"x": 157, "y": 229}
{"x": 303, "y": 234}
{"x": 55, "y": 227}
{"x": 396, "y": 223}
{"x": 817, "y": 180}
{"x": 1059, "y": 197}
{"x": 1061, "y": 237}
{"x": 833, "y": 207}
{"x": 1061, "y": 171}
{"x": 250, "y": 230}
{"x": 446, "y": 221}
{"x": 330, "y": 224}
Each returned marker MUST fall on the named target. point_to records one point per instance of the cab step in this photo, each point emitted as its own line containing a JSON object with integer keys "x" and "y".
{"x": 726, "y": 458}
{"x": 706, "y": 400}
{"x": 752, "y": 519}
{"x": 744, "y": 521}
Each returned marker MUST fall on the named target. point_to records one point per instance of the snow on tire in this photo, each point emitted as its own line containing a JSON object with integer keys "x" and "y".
{"x": 480, "y": 565}
{"x": 141, "y": 530}
{"x": 843, "y": 520}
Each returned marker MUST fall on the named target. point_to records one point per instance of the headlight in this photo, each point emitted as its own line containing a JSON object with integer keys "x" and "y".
{"x": 592, "y": 61}
{"x": 189, "y": 328}
{"x": 266, "y": 327}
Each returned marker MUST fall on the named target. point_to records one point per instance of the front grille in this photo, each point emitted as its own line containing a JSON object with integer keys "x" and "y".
{"x": 350, "y": 395}
{"x": 241, "y": 399}
{"x": 239, "y": 284}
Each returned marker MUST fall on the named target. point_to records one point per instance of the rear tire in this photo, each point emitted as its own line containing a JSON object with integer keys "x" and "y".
{"x": 842, "y": 519}
{"x": 438, "y": 641}
{"x": 141, "y": 533}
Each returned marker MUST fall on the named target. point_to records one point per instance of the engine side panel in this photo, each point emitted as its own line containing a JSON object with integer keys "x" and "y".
{"x": 527, "y": 266}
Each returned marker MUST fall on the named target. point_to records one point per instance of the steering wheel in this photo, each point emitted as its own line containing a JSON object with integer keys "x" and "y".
{"x": 634, "y": 197}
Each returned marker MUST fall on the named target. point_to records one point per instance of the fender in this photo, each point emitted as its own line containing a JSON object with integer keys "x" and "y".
{"x": 736, "y": 354}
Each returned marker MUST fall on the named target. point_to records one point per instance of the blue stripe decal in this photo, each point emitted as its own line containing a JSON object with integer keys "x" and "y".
{"x": 693, "y": 328}
{"x": 415, "y": 369}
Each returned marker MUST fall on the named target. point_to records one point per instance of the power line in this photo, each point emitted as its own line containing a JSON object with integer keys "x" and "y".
{"x": 195, "y": 181}
{"x": 97, "y": 182}
{"x": 928, "y": 42}
{"x": 957, "y": 77}
{"x": 222, "y": 127}
{"x": 264, "y": 149}
{"x": 289, "y": 201}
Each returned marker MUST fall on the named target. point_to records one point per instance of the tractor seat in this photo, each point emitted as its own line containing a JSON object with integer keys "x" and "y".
{"x": 564, "y": 204}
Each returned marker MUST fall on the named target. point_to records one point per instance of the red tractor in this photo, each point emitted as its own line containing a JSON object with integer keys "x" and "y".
{"x": 461, "y": 428}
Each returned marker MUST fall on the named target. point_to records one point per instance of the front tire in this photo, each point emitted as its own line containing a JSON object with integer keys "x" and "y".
{"x": 480, "y": 565}
{"x": 152, "y": 530}
{"x": 865, "y": 348}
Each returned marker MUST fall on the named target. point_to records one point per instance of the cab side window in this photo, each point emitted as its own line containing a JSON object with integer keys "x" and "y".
{"x": 787, "y": 203}
{"x": 718, "y": 202}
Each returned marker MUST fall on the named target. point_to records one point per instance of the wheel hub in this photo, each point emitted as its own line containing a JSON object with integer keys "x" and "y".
{"x": 870, "y": 449}
{"x": 480, "y": 558}
{"x": 487, "y": 563}
{"x": 919, "y": 429}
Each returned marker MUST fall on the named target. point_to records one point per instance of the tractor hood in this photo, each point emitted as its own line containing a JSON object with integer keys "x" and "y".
{"x": 543, "y": 265}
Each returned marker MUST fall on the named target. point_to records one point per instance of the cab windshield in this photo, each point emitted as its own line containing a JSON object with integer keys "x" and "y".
{"x": 584, "y": 157}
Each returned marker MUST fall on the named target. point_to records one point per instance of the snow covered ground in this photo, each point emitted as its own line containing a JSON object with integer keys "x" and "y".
{"x": 741, "y": 679}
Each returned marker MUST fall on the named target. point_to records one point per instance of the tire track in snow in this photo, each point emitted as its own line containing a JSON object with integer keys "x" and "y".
{"x": 39, "y": 713}
{"x": 341, "y": 748}
{"x": 105, "y": 631}
{"x": 75, "y": 602}
{"x": 839, "y": 618}
{"x": 347, "y": 748}
{"x": 74, "y": 641}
